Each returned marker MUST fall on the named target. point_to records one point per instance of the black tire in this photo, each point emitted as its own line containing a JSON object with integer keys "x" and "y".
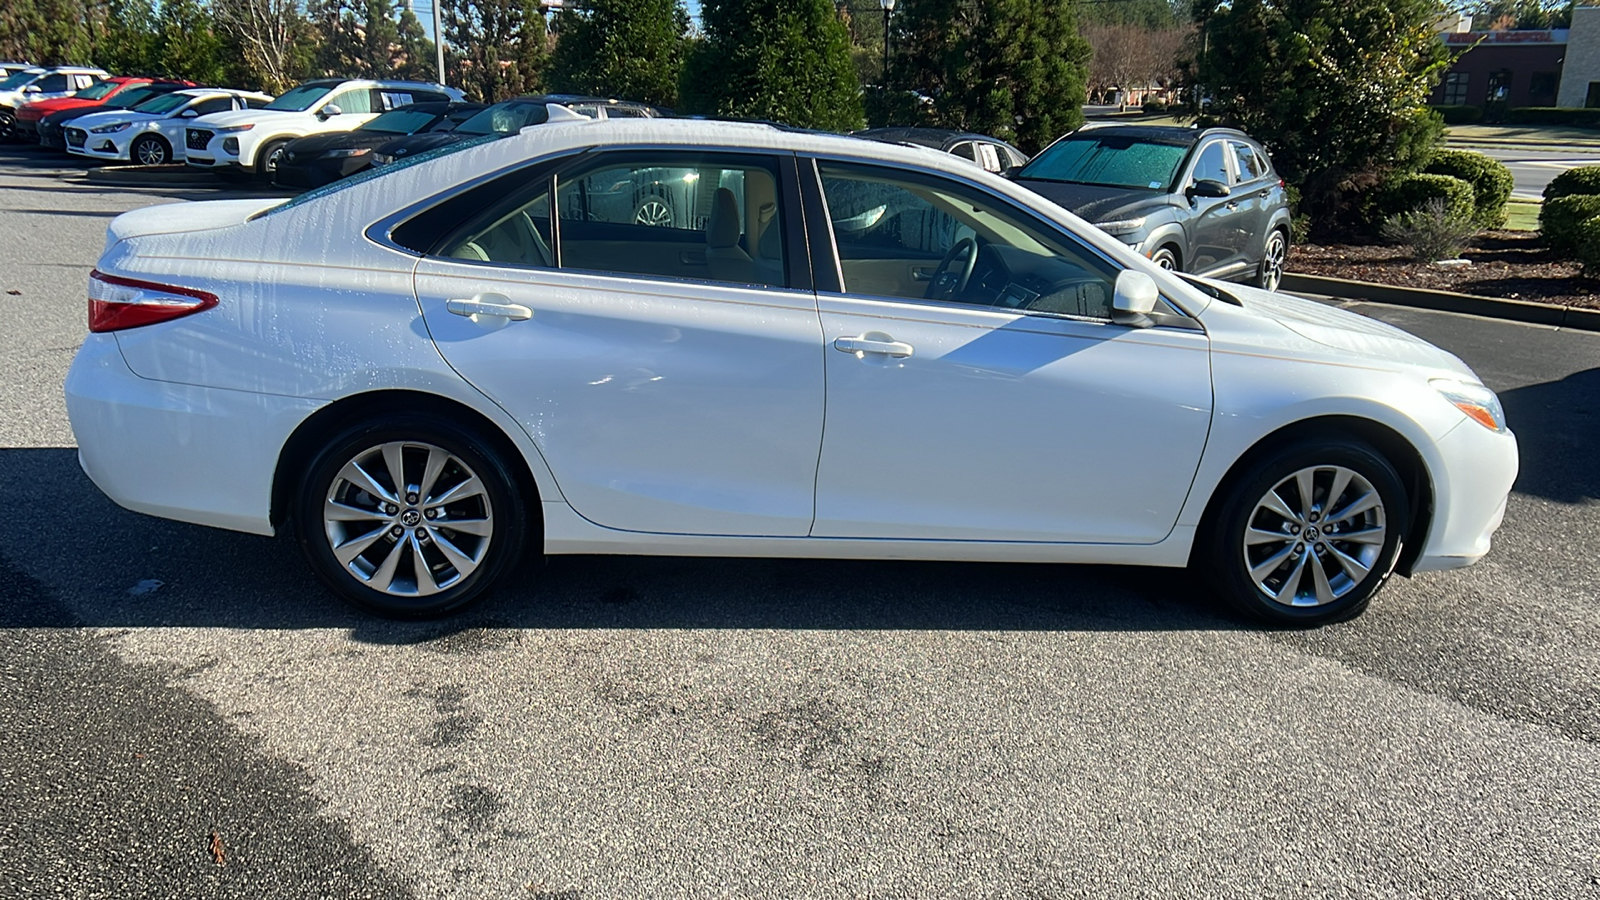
{"x": 1166, "y": 258}
{"x": 1274, "y": 253}
{"x": 8, "y": 126}
{"x": 149, "y": 150}
{"x": 265, "y": 163}
{"x": 502, "y": 514}
{"x": 1244, "y": 534}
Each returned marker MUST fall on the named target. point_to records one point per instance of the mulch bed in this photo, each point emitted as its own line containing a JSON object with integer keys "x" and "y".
{"x": 1510, "y": 265}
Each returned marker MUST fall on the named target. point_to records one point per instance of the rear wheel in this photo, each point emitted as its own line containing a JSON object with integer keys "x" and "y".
{"x": 150, "y": 150}
{"x": 1273, "y": 256}
{"x": 410, "y": 518}
{"x": 1311, "y": 534}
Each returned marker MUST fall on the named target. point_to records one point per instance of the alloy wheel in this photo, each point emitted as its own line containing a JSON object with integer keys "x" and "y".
{"x": 150, "y": 153}
{"x": 1272, "y": 261}
{"x": 653, "y": 212}
{"x": 408, "y": 518}
{"x": 1315, "y": 536}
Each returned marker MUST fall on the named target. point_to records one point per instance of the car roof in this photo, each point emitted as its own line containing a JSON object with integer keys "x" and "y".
{"x": 1163, "y": 134}
{"x": 74, "y": 70}
{"x": 375, "y": 82}
{"x": 937, "y": 138}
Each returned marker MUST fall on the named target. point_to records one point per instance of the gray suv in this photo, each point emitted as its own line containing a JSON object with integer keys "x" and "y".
{"x": 1200, "y": 201}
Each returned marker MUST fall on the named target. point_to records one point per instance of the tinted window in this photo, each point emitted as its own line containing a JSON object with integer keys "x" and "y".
{"x": 97, "y": 91}
{"x": 18, "y": 80}
{"x": 505, "y": 118}
{"x": 964, "y": 150}
{"x": 1110, "y": 160}
{"x": 1212, "y": 163}
{"x": 214, "y": 105}
{"x": 52, "y": 84}
{"x": 920, "y": 237}
{"x": 401, "y": 121}
{"x": 133, "y": 97}
{"x": 1250, "y": 168}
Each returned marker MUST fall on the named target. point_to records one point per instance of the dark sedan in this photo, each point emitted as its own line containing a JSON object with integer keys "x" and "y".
{"x": 324, "y": 158}
{"x": 509, "y": 117}
{"x": 52, "y": 128}
{"x": 1200, "y": 201}
{"x": 991, "y": 153}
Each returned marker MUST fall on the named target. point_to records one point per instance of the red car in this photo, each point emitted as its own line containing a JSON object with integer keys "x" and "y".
{"x": 28, "y": 116}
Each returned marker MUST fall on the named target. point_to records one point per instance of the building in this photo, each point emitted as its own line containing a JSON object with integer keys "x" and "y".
{"x": 1580, "y": 75}
{"x": 1500, "y": 69}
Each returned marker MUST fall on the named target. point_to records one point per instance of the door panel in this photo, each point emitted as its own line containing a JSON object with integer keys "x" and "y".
{"x": 1009, "y": 427}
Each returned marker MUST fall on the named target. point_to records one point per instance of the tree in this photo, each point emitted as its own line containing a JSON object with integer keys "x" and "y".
{"x": 380, "y": 39}
{"x": 1151, "y": 15}
{"x": 419, "y": 56}
{"x": 633, "y": 49}
{"x": 1332, "y": 87}
{"x": 783, "y": 60}
{"x": 496, "y": 47}
{"x": 1014, "y": 69}
{"x": 1495, "y": 15}
{"x": 1132, "y": 56}
{"x": 272, "y": 38}
{"x": 129, "y": 45}
{"x": 188, "y": 44}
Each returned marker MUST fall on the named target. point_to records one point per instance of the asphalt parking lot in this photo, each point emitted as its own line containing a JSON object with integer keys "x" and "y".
{"x": 184, "y": 712}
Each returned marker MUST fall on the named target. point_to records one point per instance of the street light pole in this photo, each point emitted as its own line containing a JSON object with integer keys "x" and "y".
{"x": 888, "y": 7}
{"x": 438, "y": 41}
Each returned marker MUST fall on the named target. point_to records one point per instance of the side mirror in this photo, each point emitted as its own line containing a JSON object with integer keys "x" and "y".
{"x": 1010, "y": 172}
{"x": 32, "y": 89}
{"x": 332, "y": 109}
{"x": 1134, "y": 298}
{"x": 189, "y": 114}
{"x": 1205, "y": 187}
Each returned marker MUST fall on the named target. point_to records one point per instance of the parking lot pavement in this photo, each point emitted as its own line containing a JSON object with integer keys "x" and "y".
{"x": 617, "y": 727}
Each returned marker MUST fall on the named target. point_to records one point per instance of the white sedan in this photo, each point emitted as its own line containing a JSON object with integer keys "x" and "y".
{"x": 861, "y": 350}
{"x": 151, "y": 134}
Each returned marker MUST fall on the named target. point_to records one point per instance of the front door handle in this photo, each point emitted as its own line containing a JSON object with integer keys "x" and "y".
{"x": 489, "y": 305}
{"x": 874, "y": 343}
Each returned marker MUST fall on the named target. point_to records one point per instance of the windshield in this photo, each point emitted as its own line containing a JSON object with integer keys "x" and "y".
{"x": 164, "y": 103}
{"x": 18, "y": 80}
{"x": 504, "y": 118}
{"x": 1110, "y": 161}
{"x": 132, "y": 97}
{"x": 96, "y": 91}
{"x": 301, "y": 98}
{"x": 401, "y": 121}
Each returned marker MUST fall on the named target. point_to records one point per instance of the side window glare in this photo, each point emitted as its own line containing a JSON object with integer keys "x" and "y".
{"x": 1212, "y": 164}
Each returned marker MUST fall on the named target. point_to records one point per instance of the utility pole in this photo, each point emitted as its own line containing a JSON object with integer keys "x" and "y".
{"x": 888, "y": 7}
{"x": 438, "y": 39}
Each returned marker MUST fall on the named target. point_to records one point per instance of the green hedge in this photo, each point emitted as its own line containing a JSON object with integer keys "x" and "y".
{"x": 1582, "y": 180}
{"x": 1552, "y": 115}
{"x": 1589, "y": 246}
{"x": 1491, "y": 182}
{"x": 1560, "y": 220}
{"x": 1465, "y": 114}
{"x": 1405, "y": 193}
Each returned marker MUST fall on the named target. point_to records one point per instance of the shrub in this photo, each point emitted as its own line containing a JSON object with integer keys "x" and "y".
{"x": 1551, "y": 115}
{"x": 1559, "y": 221}
{"x": 1434, "y": 230}
{"x": 1402, "y": 194}
{"x": 1491, "y": 182}
{"x": 1582, "y": 180}
{"x": 1464, "y": 114}
{"x": 1589, "y": 246}
{"x": 1154, "y": 105}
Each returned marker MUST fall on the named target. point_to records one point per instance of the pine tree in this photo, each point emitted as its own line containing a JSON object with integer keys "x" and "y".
{"x": 188, "y": 46}
{"x": 380, "y": 39}
{"x": 783, "y": 60}
{"x": 419, "y": 57}
{"x": 129, "y": 46}
{"x": 497, "y": 47}
{"x": 633, "y": 49}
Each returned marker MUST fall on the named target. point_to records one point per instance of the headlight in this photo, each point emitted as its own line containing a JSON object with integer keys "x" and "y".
{"x": 1121, "y": 226}
{"x": 381, "y": 159}
{"x": 1475, "y": 401}
{"x": 229, "y": 129}
{"x": 346, "y": 153}
{"x": 111, "y": 128}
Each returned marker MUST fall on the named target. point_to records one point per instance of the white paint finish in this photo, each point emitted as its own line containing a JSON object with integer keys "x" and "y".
{"x": 168, "y": 126}
{"x": 1005, "y": 426}
{"x": 662, "y": 406}
{"x": 182, "y": 452}
{"x": 1477, "y": 469}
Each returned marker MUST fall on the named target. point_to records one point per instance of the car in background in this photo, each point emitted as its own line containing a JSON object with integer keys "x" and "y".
{"x": 993, "y": 154}
{"x": 511, "y": 116}
{"x": 1205, "y": 201}
{"x": 52, "y": 128}
{"x": 29, "y": 115}
{"x": 12, "y": 67}
{"x": 36, "y": 84}
{"x": 427, "y": 370}
{"x": 253, "y": 140}
{"x": 151, "y": 134}
{"x": 323, "y": 158}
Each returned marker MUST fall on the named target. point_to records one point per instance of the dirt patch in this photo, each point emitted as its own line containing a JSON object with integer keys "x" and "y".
{"x": 1508, "y": 265}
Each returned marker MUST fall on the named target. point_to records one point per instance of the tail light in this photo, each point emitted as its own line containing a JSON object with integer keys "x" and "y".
{"x": 116, "y": 303}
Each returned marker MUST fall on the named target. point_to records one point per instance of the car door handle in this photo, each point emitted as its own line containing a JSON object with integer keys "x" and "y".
{"x": 489, "y": 305}
{"x": 922, "y": 273}
{"x": 1233, "y": 204}
{"x": 874, "y": 343}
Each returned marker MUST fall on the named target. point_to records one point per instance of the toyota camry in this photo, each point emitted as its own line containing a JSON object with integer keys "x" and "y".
{"x": 852, "y": 349}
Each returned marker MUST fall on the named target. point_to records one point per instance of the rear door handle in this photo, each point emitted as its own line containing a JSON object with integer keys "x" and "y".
{"x": 489, "y": 305}
{"x": 874, "y": 343}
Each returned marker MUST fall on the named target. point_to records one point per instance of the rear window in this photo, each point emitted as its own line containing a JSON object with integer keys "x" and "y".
{"x": 1110, "y": 161}
{"x": 505, "y": 118}
{"x": 96, "y": 91}
{"x": 401, "y": 121}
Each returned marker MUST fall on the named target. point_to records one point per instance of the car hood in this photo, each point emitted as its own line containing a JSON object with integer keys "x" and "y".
{"x": 104, "y": 116}
{"x": 46, "y": 107}
{"x": 1097, "y": 203}
{"x": 317, "y": 143}
{"x": 421, "y": 143}
{"x": 242, "y": 117}
{"x": 1341, "y": 329}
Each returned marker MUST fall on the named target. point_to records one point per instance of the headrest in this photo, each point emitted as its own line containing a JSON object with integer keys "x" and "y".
{"x": 723, "y": 229}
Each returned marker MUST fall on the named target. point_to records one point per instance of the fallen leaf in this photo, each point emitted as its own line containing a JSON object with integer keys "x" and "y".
{"x": 216, "y": 849}
{"x": 15, "y": 293}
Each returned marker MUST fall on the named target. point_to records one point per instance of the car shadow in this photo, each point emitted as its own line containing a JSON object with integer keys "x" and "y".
{"x": 69, "y": 557}
{"x": 1557, "y": 424}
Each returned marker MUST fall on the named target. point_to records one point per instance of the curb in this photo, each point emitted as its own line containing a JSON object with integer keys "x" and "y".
{"x": 1580, "y": 148}
{"x": 150, "y": 176}
{"x": 1446, "y": 301}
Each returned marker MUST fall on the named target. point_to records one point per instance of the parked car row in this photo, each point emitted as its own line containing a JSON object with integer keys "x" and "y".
{"x": 1199, "y": 201}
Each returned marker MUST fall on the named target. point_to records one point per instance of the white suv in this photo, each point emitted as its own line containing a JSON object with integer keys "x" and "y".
{"x": 251, "y": 140}
{"x": 34, "y": 84}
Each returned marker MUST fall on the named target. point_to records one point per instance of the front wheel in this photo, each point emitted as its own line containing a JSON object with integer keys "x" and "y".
{"x": 268, "y": 157}
{"x": 150, "y": 150}
{"x": 410, "y": 518}
{"x": 1273, "y": 257}
{"x": 1166, "y": 259}
{"x": 1311, "y": 534}
{"x": 8, "y": 125}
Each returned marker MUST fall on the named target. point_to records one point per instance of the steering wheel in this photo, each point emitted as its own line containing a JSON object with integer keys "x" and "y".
{"x": 946, "y": 283}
